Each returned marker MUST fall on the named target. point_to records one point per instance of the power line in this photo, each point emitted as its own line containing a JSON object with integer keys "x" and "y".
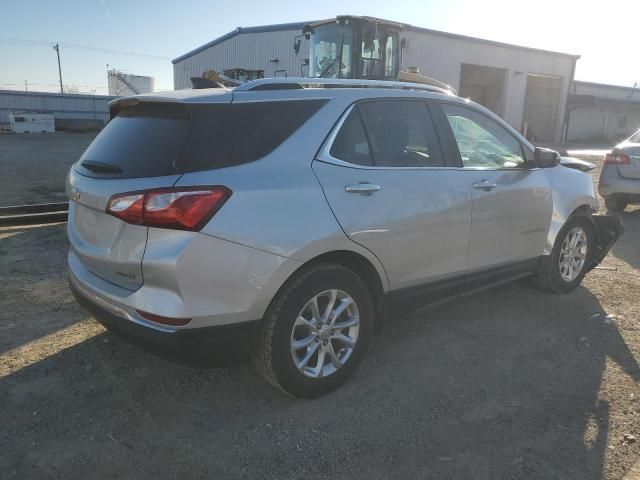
{"x": 44, "y": 43}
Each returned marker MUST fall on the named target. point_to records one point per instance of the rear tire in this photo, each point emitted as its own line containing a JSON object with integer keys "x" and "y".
{"x": 564, "y": 269}
{"x": 332, "y": 350}
{"x": 615, "y": 204}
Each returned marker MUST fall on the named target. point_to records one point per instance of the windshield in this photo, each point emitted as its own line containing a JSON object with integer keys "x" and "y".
{"x": 330, "y": 51}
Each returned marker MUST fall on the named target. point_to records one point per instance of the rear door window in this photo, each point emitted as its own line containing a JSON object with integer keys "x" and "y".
{"x": 401, "y": 134}
{"x": 141, "y": 141}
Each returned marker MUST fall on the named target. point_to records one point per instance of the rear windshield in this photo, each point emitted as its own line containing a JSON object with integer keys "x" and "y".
{"x": 141, "y": 141}
{"x": 151, "y": 140}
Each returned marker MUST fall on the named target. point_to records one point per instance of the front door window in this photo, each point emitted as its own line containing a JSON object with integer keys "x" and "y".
{"x": 481, "y": 141}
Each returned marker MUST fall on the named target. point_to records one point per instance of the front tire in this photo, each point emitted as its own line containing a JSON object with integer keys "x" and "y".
{"x": 564, "y": 269}
{"x": 316, "y": 331}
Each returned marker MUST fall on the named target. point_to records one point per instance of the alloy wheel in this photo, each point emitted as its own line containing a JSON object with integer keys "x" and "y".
{"x": 325, "y": 333}
{"x": 573, "y": 254}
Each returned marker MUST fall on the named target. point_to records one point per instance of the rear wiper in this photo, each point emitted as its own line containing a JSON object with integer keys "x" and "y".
{"x": 100, "y": 167}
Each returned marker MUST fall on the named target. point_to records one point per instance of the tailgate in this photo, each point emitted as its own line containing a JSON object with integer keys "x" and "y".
{"x": 104, "y": 244}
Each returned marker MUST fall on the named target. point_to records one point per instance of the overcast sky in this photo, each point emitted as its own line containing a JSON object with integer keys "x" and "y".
{"x": 605, "y": 34}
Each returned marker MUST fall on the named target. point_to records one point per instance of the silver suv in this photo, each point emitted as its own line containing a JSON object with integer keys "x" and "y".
{"x": 297, "y": 215}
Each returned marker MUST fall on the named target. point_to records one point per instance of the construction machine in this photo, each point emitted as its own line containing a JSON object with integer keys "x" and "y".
{"x": 348, "y": 46}
{"x": 359, "y": 47}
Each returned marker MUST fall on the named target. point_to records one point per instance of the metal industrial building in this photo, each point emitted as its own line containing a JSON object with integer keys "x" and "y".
{"x": 602, "y": 113}
{"x": 528, "y": 87}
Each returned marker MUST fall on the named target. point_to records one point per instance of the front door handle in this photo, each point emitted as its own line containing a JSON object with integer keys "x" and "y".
{"x": 363, "y": 188}
{"x": 484, "y": 185}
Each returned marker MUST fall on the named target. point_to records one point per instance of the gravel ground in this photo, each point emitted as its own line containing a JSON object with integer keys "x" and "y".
{"x": 511, "y": 383}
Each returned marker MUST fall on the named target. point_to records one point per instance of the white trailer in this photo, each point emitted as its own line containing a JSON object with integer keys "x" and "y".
{"x": 25, "y": 122}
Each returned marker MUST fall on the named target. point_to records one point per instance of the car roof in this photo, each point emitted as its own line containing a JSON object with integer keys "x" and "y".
{"x": 291, "y": 88}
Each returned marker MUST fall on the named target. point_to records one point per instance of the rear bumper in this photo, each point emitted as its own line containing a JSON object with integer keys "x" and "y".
{"x": 609, "y": 229}
{"x": 612, "y": 184}
{"x": 240, "y": 337}
{"x": 190, "y": 275}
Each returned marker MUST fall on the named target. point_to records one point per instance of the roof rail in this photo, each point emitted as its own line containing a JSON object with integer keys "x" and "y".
{"x": 286, "y": 83}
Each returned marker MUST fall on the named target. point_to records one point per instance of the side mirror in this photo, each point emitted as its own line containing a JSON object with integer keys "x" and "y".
{"x": 545, "y": 158}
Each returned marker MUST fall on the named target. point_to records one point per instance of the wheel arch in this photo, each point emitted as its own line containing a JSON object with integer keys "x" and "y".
{"x": 572, "y": 194}
{"x": 374, "y": 279}
{"x": 560, "y": 218}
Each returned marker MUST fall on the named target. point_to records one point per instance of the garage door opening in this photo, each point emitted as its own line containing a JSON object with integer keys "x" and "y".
{"x": 542, "y": 100}
{"x": 484, "y": 85}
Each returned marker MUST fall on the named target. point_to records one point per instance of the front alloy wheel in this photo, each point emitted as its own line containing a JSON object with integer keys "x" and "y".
{"x": 564, "y": 269}
{"x": 573, "y": 254}
{"x": 325, "y": 333}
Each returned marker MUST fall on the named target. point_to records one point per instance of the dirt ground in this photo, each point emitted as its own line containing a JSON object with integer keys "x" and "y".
{"x": 27, "y": 176}
{"x": 511, "y": 383}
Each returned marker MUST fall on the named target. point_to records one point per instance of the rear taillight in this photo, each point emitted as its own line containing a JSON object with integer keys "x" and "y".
{"x": 614, "y": 158}
{"x": 176, "y": 208}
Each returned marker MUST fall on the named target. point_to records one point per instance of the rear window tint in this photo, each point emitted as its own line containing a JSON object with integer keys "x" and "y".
{"x": 155, "y": 139}
{"x": 141, "y": 141}
{"x": 223, "y": 135}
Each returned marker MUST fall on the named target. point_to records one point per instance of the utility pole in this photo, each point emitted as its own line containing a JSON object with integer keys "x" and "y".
{"x": 56, "y": 47}
{"x": 26, "y": 89}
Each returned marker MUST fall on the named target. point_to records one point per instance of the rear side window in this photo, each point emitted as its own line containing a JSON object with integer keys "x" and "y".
{"x": 141, "y": 141}
{"x": 223, "y": 135}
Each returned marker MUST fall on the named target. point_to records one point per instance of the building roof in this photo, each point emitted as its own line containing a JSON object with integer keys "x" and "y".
{"x": 604, "y": 92}
{"x": 606, "y": 85}
{"x": 279, "y": 27}
{"x": 298, "y": 26}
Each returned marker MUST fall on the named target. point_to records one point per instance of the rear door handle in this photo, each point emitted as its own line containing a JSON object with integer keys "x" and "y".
{"x": 484, "y": 185}
{"x": 363, "y": 188}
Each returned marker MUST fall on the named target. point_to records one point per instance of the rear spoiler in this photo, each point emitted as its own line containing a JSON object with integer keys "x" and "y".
{"x": 119, "y": 103}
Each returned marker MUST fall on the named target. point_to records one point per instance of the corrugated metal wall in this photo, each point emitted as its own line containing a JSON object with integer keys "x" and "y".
{"x": 245, "y": 50}
{"x": 61, "y": 106}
